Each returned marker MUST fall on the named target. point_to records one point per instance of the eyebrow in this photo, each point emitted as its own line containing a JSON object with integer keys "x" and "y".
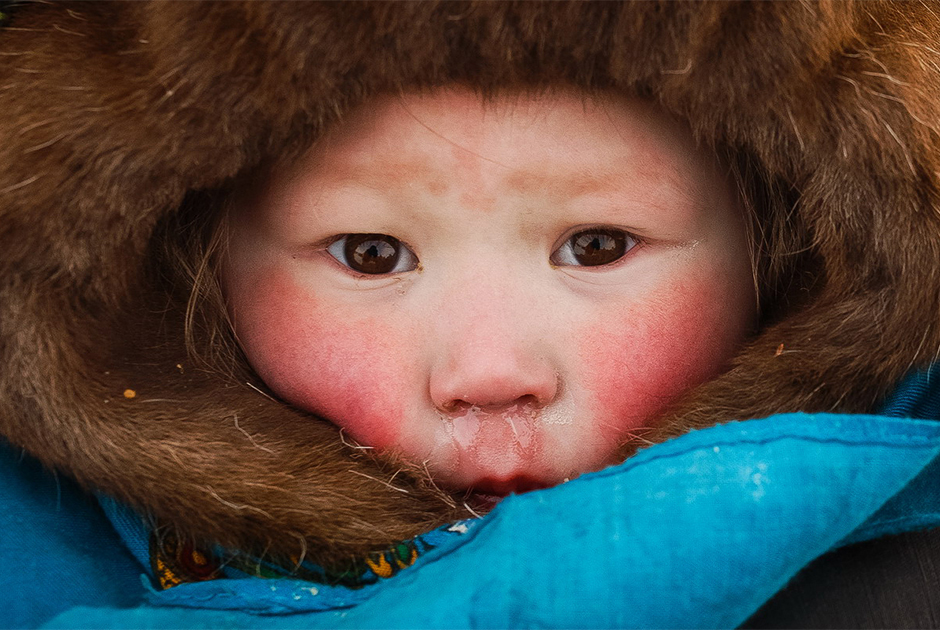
{"x": 381, "y": 174}
{"x": 575, "y": 185}
{"x": 385, "y": 174}
{"x": 583, "y": 184}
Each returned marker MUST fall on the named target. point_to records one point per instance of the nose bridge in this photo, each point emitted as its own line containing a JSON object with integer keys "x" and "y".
{"x": 493, "y": 349}
{"x": 483, "y": 298}
{"x": 485, "y": 309}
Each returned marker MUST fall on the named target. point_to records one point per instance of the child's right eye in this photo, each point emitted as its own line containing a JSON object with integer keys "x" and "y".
{"x": 373, "y": 254}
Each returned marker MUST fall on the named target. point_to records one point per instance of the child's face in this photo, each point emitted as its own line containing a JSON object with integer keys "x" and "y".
{"x": 505, "y": 292}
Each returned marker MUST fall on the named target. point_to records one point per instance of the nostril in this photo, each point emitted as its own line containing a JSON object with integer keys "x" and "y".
{"x": 456, "y": 406}
{"x": 491, "y": 384}
{"x": 460, "y": 406}
{"x": 528, "y": 399}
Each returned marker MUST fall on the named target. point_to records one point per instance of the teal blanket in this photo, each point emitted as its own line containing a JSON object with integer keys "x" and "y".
{"x": 697, "y": 532}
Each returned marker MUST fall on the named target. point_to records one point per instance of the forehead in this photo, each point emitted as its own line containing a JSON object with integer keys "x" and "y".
{"x": 561, "y": 142}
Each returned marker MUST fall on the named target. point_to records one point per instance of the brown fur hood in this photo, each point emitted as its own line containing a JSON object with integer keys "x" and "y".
{"x": 118, "y": 119}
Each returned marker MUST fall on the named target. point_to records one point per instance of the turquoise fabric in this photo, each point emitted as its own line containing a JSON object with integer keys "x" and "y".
{"x": 696, "y": 532}
{"x": 57, "y": 548}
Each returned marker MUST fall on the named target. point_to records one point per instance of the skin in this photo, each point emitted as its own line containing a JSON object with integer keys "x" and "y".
{"x": 499, "y": 366}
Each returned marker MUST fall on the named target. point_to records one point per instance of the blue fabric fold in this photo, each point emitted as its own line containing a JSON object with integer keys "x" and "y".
{"x": 917, "y": 396}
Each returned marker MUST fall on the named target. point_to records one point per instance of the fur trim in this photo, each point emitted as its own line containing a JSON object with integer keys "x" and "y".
{"x": 114, "y": 112}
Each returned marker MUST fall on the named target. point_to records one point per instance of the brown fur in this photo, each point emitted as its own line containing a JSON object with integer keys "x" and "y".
{"x": 113, "y": 113}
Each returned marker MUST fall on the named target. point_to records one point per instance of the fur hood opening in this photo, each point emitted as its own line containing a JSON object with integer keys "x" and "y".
{"x": 117, "y": 115}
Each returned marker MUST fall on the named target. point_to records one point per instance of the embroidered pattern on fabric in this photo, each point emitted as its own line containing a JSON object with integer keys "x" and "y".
{"x": 358, "y": 573}
{"x": 174, "y": 563}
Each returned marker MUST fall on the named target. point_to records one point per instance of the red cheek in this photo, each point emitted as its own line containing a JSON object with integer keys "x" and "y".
{"x": 346, "y": 367}
{"x": 635, "y": 365}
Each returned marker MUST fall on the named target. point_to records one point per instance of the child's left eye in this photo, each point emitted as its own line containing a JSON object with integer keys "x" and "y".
{"x": 373, "y": 254}
{"x": 593, "y": 247}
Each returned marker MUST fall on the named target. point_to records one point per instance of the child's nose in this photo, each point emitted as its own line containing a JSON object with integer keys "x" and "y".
{"x": 492, "y": 360}
{"x": 490, "y": 378}
{"x": 492, "y": 382}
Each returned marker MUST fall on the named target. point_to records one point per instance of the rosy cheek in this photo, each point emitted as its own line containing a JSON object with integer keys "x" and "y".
{"x": 637, "y": 364}
{"x": 344, "y": 366}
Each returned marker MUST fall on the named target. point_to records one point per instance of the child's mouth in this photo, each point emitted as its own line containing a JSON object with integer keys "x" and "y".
{"x": 504, "y": 487}
{"x": 486, "y": 493}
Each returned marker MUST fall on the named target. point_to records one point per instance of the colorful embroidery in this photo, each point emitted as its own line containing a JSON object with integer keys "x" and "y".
{"x": 381, "y": 565}
{"x": 356, "y": 574}
{"x": 174, "y": 563}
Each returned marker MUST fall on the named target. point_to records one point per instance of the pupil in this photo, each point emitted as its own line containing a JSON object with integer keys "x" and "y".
{"x": 598, "y": 247}
{"x": 372, "y": 253}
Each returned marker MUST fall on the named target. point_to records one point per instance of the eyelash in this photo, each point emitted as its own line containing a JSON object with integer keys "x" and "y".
{"x": 377, "y": 255}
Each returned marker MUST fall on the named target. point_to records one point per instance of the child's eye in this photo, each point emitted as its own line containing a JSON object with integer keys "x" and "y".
{"x": 593, "y": 247}
{"x": 373, "y": 254}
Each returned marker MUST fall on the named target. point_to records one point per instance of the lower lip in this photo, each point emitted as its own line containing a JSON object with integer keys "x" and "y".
{"x": 480, "y": 503}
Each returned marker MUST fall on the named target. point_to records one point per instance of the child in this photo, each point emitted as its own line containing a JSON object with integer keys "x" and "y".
{"x": 503, "y": 293}
{"x": 466, "y": 251}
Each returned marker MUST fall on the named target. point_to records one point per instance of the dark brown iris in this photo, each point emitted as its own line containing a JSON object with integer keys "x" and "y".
{"x": 372, "y": 253}
{"x": 598, "y": 247}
